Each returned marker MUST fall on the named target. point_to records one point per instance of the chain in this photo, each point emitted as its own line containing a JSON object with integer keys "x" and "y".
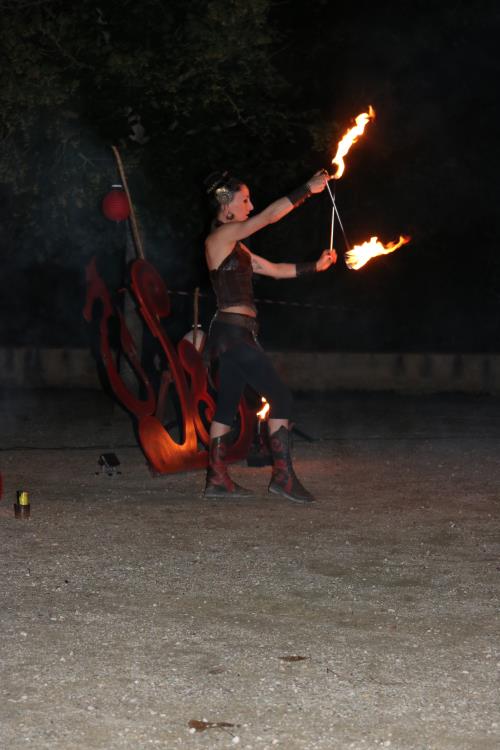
{"x": 287, "y": 303}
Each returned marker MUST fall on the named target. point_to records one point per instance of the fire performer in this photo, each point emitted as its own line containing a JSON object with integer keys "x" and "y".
{"x": 232, "y": 339}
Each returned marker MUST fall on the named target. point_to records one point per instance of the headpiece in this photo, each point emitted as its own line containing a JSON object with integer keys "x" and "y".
{"x": 223, "y": 194}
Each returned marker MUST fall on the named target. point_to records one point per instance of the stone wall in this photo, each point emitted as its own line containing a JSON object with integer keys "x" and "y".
{"x": 303, "y": 371}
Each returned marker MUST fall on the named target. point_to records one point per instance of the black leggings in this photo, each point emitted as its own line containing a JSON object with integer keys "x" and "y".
{"x": 242, "y": 365}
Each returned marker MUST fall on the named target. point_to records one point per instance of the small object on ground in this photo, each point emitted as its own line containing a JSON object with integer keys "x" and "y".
{"x": 201, "y": 726}
{"x": 293, "y": 657}
{"x": 109, "y": 463}
{"x": 22, "y": 507}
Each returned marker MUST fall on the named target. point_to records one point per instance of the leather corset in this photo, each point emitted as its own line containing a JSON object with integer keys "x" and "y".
{"x": 232, "y": 280}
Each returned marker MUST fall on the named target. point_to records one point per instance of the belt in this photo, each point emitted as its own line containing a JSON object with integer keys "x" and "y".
{"x": 237, "y": 319}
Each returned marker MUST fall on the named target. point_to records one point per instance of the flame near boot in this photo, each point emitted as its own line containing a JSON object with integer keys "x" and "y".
{"x": 283, "y": 479}
{"x": 219, "y": 483}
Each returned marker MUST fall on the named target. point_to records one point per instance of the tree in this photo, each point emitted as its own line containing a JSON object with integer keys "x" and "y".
{"x": 181, "y": 89}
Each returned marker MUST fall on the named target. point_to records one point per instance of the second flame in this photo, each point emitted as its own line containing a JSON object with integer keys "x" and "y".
{"x": 358, "y": 255}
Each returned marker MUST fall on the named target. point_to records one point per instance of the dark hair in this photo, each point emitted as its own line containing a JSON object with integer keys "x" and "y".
{"x": 220, "y": 188}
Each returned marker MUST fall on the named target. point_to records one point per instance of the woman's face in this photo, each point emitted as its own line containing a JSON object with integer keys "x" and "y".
{"x": 241, "y": 205}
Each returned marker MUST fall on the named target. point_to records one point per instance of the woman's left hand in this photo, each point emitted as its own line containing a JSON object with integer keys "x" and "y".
{"x": 326, "y": 259}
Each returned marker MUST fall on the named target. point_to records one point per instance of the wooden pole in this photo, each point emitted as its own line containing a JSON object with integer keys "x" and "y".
{"x": 133, "y": 221}
{"x": 196, "y": 314}
{"x": 133, "y": 250}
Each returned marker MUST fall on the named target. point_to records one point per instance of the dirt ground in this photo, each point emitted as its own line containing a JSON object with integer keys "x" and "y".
{"x": 130, "y": 606}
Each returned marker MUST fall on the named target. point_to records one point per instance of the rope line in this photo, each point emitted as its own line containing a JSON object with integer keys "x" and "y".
{"x": 288, "y": 303}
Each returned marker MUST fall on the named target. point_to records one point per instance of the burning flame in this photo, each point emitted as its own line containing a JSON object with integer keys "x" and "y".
{"x": 358, "y": 255}
{"x": 347, "y": 140}
{"x": 262, "y": 414}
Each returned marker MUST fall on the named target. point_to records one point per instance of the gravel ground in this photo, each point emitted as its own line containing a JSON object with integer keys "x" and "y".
{"x": 131, "y": 607}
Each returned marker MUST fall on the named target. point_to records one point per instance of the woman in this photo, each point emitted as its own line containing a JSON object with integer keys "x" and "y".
{"x": 233, "y": 332}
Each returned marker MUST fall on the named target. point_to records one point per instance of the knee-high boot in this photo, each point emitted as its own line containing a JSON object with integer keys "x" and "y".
{"x": 283, "y": 479}
{"x": 219, "y": 483}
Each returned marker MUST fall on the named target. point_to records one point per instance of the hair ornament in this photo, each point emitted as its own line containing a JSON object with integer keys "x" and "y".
{"x": 218, "y": 182}
{"x": 223, "y": 195}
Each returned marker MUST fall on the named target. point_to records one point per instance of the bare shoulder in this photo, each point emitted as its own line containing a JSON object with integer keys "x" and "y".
{"x": 217, "y": 247}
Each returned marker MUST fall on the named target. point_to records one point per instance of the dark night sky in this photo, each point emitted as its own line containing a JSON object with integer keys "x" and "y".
{"x": 427, "y": 167}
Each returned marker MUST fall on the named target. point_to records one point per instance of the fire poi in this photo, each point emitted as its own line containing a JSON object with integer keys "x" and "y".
{"x": 356, "y": 257}
{"x": 349, "y": 138}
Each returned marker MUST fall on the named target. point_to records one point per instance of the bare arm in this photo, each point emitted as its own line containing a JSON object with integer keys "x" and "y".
{"x": 223, "y": 239}
{"x": 275, "y": 270}
{"x": 240, "y": 230}
{"x": 289, "y": 270}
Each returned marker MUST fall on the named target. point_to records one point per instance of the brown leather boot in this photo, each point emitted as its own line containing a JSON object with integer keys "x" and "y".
{"x": 283, "y": 479}
{"x": 219, "y": 483}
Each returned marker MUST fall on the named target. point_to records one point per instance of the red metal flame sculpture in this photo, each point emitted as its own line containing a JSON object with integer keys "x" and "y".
{"x": 97, "y": 292}
{"x": 186, "y": 373}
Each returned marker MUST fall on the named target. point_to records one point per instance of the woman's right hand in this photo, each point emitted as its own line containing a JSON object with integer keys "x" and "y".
{"x": 326, "y": 259}
{"x": 318, "y": 181}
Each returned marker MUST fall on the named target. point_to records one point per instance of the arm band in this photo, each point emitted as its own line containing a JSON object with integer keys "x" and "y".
{"x": 302, "y": 268}
{"x": 299, "y": 195}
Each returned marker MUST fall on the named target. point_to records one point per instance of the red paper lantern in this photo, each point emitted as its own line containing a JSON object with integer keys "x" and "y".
{"x": 115, "y": 205}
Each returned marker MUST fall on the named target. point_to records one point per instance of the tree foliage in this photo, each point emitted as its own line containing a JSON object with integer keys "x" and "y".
{"x": 181, "y": 87}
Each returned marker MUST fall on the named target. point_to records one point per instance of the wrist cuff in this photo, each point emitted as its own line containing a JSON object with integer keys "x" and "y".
{"x": 299, "y": 195}
{"x": 302, "y": 268}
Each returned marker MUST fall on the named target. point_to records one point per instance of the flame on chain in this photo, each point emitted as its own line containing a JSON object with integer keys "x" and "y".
{"x": 350, "y": 137}
{"x": 358, "y": 255}
{"x": 262, "y": 413}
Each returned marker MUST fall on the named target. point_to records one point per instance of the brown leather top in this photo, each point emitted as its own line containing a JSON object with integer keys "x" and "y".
{"x": 232, "y": 280}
